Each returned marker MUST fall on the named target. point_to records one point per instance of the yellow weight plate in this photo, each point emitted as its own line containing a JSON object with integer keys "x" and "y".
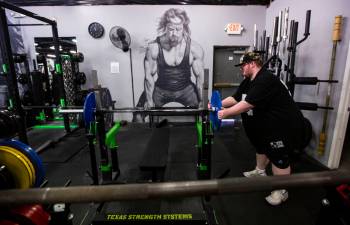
{"x": 27, "y": 160}
{"x": 17, "y": 166}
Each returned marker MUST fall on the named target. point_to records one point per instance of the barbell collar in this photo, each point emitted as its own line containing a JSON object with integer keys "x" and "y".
{"x": 109, "y": 193}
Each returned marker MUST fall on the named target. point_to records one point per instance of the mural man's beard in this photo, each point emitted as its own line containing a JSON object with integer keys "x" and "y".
{"x": 173, "y": 41}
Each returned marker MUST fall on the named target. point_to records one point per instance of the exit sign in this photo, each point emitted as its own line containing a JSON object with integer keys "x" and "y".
{"x": 234, "y": 28}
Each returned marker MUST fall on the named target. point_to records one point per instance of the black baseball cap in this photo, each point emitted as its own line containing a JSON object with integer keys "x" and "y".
{"x": 248, "y": 57}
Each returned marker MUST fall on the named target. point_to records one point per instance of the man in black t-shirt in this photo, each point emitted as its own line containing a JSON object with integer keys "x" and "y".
{"x": 271, "y": 119}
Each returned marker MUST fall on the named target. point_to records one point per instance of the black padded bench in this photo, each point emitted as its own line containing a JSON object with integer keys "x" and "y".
{"x": 156, "y": 155}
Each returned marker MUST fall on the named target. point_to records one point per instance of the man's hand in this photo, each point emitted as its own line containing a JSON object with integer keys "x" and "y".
{"x": 209, "y": 105}
{"x": 221, "y": 114}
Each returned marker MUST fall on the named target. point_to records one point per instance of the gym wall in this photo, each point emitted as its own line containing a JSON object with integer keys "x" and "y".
{"x": 207, "y": 28}
{"x": 314, "y": 56}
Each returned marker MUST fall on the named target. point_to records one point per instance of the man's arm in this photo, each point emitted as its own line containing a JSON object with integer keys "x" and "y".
{"x": 228, "y": 102}
{"x": 150, "y": 64}
{"x": 239, "y": 108}
{"x": 198, "y": 66}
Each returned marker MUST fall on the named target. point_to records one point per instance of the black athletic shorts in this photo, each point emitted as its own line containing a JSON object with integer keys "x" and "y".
{"x": 277, "y": 147}
{"x": 278, "y": 150}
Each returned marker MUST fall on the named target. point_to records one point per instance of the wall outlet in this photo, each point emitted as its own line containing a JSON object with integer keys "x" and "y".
{"x": 115, "y": 67}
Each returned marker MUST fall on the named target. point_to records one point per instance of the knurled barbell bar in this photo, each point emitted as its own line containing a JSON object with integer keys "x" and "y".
{"x": 109, "y": 193}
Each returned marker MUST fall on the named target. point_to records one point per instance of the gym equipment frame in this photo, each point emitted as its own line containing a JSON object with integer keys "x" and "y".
{"x": 9, "y": 67}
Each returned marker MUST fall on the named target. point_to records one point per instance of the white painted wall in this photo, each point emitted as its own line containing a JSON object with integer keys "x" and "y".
{"x": 313, "y": 57}
{"x": 207, "y": 27}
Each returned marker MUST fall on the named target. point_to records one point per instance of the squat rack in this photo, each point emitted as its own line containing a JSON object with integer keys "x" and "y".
{"x": 8, "y": 66}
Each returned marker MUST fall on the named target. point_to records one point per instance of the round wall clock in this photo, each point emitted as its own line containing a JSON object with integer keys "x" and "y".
{"x": 96, "y": 30}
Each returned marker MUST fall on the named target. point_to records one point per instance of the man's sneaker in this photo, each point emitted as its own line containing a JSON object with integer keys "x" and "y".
{"x": 254, "y": 173}
{"x": 277, "y": 197}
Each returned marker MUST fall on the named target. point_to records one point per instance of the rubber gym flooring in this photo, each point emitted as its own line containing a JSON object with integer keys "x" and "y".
{"x": 69, "y": 160}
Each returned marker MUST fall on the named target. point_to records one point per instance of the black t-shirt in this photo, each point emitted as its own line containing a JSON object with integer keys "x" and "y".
{"x": 274, "y": 114}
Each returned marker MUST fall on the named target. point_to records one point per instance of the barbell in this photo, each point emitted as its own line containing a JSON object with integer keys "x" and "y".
{"x": 89, "y": 110}
{"x": 109, "y": 193}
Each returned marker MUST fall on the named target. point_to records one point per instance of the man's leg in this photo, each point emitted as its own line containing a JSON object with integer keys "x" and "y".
{"x": 280, "y": 167}
{"x": 277, "y": 171}
{"x": 261, "y": 162}
{"x": 161, "y": 97}
{"x": 187, "y": 96}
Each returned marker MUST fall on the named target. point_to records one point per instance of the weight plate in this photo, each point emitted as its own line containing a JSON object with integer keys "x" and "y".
{"x": 31, "y": 214}
{"x": 17, "y": 166}
{"x": 89, "y": 109}
{"x": 26, "y": 159}
{"x": 215, "y": 103}
{"x": 32, "y": 155}
{"x": 107, "y": 103}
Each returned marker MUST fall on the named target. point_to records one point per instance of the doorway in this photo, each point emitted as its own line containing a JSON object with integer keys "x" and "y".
{"x": 227, "y": 77}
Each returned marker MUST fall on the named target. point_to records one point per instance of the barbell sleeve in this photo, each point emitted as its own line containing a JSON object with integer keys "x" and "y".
{"x": 122, "y": 192}
{"x": 65, "y": 111}
{"x": 228, "y": 122}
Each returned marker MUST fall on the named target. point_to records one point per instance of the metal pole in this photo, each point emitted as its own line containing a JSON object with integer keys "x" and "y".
{"x": 9, "y": 69}
{"x": 132, "y": 79}
{"x": 59, "y": 73}
{"x": 48, "y": 91}
{"x": 336, "y": 38}
{"x": 90, "y": 136}
{"x": 26, "y": 66}
{"x": 291, "y": 77}
{"x": 109, "y": 193}
{"x": 105, "y": 166}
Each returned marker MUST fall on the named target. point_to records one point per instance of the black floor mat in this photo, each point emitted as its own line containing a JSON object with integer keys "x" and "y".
{"x": 38, "y": 136}
{"x": 65, "y": 149}
{"x": 231, "y": 149}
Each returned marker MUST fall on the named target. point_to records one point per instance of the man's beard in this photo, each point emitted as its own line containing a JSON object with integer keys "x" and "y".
{"x": 173, "y": 41}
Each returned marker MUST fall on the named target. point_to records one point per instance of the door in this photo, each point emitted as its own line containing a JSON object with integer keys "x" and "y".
{"x": 227, "y": 77}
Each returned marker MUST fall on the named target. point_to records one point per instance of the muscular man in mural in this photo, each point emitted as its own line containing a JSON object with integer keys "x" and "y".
{"x": 170, "y": 62}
